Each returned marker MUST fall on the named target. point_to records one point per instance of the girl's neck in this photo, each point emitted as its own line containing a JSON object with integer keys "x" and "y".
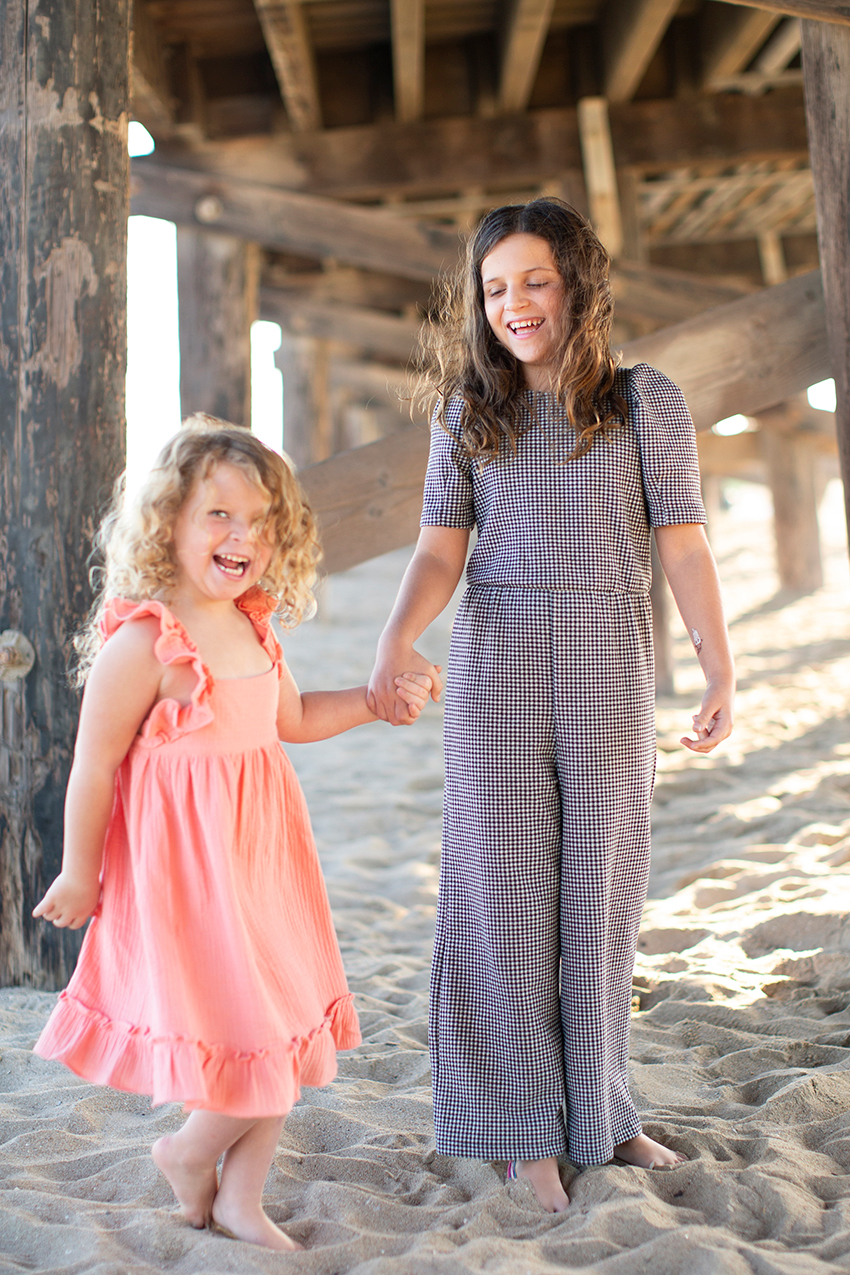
{"x": 541, "y": 380}
{"x": 223, "y": 635}
{"x": 187, "y": 604}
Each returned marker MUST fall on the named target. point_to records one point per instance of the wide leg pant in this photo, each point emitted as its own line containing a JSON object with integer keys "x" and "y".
{"x": 550, "y": 760}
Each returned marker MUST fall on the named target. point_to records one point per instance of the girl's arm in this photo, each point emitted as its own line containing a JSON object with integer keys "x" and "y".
{"x": 122, "y": 686}
{"x": 427, "y": 588}
{"x": 689, "y": 566}
{"x": 313, "y": 715}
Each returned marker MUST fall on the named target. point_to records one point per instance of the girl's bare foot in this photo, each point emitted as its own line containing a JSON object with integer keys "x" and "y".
{"x": 545, "y": 1179}
{"x": 250, "y": 1224}
{"x": 646, "y": 1153}
{"x": 194, "y": 1183}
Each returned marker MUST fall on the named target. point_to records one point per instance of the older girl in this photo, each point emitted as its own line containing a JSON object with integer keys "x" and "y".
{"x": 563, "y": 463}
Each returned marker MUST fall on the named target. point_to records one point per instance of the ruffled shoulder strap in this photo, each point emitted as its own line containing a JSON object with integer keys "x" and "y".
{"x": 168, "y": 719}
{"x": 259, "y": 607}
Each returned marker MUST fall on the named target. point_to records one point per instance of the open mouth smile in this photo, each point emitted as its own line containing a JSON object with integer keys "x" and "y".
{"x": 521, "y": 327}
{"x": 231, "y": 565}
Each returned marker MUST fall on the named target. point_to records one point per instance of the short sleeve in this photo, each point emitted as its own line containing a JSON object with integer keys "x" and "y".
{"x": 668, "y": 448}
{"x": 448, "y": 498}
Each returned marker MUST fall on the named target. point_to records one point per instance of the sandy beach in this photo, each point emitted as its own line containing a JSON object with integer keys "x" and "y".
{"x": 741, "y": 1032}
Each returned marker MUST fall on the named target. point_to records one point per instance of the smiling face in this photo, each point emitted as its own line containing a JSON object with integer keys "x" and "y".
{"x": 524, "y": 300}
{"x": 220, "y": 537}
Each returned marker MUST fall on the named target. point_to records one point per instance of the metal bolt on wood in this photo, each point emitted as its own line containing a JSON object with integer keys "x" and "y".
{"x": 17, "y": 656}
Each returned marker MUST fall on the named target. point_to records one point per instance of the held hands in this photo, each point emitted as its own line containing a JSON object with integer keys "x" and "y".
{"x": 399, "y": 699}
{"x": 69, "y": 902}
{"x": 413, "y": 689}
{"x": 713, "y": 722}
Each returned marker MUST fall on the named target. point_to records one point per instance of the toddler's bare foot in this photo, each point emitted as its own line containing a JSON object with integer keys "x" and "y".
{"x": 250, "y": 1224}
{"x": 194, "y": 1184}
{"x": 646, "y": 1153}
{"x": 545, "y": 1179}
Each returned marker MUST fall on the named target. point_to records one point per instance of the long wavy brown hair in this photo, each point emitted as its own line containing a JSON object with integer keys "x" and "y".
{"x": 136, "y": 538}
{"x": 464, "y": 358}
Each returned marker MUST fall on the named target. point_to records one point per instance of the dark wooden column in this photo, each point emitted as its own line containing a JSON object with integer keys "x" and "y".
{"x": 63, "y": 229}
{"x": 218, "y": 286}
{"x": 826, "y": 75}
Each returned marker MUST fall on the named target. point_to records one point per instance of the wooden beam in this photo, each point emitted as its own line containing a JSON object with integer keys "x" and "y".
{"x": 782, "y": 46}
{"x": 369, "y": 500}
{"x": 600, "y": 172}
{"x": 732, "y": 456}
{"x": 826, "y": 68}
{"x": 434, "y": 156}
{"x": 217, "y": 280}
{"x": 730, "y": 38}
{"x": 664, "y": 296}
{"x": 772, "y": 256}
{"x": 747, "y": 355}
{"x": 151, "y": 99}
{"x": 64, "y": 169}
{"x": 837, "y": 11}
{"x": 633, "y": 30}
{"x": 735, "y": 260}
{"x": 525, "y": 29}
{"x": 382, "y": 335}
{"x": 303, "y": 224}
{"x": 741, "y": 455}
{"x": 190, "y": 95}
{"x": 741, "y": 357}
{"x": 288, "y": 42}
{"x": 347, "y": 286}
{"x": 408, "y": 35}
{"x": 385, "y": 382}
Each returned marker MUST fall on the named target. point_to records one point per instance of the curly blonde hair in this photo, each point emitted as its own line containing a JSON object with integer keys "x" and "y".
{"x": 464, "y": 358}
{"x": 136, "y": 536}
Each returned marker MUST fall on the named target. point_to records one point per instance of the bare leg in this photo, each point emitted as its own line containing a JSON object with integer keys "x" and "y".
{"x": 188, "y": 1159}
{"x": 238, "y": 1206}
{"x": 646, "y": 1153}
{"x": 545, "y": 1179}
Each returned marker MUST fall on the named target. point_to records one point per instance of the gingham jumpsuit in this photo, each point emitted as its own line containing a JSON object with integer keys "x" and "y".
{"x": 550, "y": 761}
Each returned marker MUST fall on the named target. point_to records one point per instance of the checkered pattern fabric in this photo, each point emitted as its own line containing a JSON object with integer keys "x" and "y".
{"x": 550, "y": 756}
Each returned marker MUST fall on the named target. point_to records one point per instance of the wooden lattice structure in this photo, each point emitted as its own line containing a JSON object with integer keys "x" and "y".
{"x": 323, "y": 160}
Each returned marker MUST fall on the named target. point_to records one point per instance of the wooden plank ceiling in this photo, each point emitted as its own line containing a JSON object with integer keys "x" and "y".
{"x": 358, "y": 141}
{"x": 437, "y": 109}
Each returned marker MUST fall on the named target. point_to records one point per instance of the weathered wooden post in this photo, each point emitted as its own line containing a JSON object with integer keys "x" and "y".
{"x": 218, "y": 278}
{"x": 63, "y": 229}
{"x": 304, "y": 362}
{"x": 826, "y": 76}
{"x": 791, "y": 461}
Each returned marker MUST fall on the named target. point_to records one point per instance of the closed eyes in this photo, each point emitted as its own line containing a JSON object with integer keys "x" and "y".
{"x": 531, "y": 283}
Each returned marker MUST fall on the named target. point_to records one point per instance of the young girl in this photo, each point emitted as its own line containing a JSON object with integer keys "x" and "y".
{"x": 562, "y": 462}
{"x": 210, "y": 974}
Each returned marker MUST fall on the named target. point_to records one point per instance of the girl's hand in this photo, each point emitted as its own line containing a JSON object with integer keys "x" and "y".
{"x": 713, "y": 722}
{"x": 69, "y": 902}
{"x": 382, "y": 694}
{"x": 414, "y": 689}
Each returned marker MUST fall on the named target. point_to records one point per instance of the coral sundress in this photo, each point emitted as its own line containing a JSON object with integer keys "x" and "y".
{"x": 210, "y": 973}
